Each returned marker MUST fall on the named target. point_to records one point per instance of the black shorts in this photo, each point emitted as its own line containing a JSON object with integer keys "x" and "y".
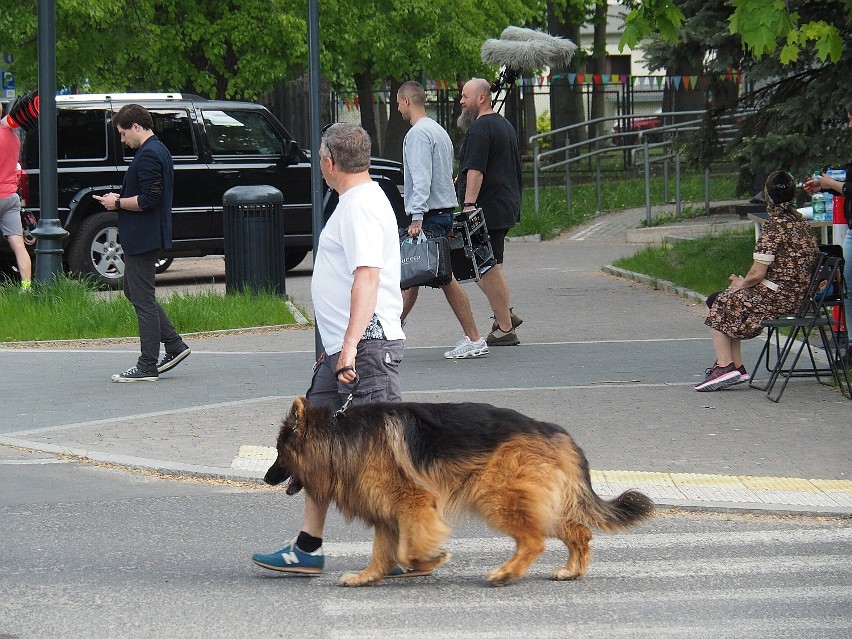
{"x": 498, "y": 242}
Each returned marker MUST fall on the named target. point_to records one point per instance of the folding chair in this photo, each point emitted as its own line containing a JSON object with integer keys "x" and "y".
{"x": 813, "y": 316}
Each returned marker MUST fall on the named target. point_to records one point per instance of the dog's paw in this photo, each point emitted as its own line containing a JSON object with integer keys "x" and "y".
{"x": 428, "y": 565}
{"x": 563, "y": 574}
{"x": 355, "y": 579}
{"x": 500, "y": 577}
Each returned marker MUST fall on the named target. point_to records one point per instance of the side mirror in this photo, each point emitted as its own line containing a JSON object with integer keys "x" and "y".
{"x": 292, "y": 153}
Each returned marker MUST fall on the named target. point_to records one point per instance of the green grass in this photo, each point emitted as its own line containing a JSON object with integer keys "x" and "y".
{"x": 72, "y": 309}
{"x": 618, "y": 193}
{"x": 702, "y": 265}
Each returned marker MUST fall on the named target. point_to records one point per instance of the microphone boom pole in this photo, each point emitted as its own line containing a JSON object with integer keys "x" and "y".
{"x": 518, "y": 49}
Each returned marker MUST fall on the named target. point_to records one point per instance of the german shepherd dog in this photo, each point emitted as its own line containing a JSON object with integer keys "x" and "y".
{"x": 403, "y": 467}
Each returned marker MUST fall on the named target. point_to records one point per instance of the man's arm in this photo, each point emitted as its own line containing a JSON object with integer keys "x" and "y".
{"x": 472, "y": 187}
{"x": 362, "y": 306}
{"x": 418, "y": 155}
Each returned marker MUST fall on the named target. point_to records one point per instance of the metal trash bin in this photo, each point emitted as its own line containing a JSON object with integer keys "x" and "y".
{"x": 254, "y": 239}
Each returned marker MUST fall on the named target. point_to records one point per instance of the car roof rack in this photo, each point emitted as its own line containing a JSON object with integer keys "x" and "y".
{"x": 124, "y": 97}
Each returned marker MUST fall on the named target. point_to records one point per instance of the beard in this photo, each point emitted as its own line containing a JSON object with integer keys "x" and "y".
{"x": 466, "y": 118}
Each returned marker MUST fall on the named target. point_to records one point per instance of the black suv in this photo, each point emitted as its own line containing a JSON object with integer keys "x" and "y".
{"x": 215, "y": 145}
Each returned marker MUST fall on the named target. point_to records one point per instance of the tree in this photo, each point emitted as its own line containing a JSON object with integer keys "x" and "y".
{"x": 385, "y": 42}
{"x": 796, "y": 67}
{"x": 222, "y": 49}
{"x": 766, "y": 27}
{"x": 797, "y": 110}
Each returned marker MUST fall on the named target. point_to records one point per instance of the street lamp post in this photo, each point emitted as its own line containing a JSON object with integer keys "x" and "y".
{"x": 49, "y": 231}
{"x": 316, "y": 175}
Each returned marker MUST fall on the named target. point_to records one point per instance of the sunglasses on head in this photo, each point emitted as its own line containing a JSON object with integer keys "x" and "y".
{"x": 324, "y": 129}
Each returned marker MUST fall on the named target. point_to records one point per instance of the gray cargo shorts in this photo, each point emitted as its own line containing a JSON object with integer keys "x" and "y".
{"x": 377, "y": 364}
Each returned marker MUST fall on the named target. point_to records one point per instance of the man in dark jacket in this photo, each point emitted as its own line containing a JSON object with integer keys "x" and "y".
{"x": 145, "y": 228}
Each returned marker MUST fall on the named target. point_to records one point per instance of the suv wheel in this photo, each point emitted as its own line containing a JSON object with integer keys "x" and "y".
{"x": 96, "y": 250}
{"x": 293, "y": 257}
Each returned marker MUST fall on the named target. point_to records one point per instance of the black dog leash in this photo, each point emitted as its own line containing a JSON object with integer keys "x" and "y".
{"x": 341, "y": 412}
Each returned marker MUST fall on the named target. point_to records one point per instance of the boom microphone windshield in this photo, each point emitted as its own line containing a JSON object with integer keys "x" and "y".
{"x": 518, "y": 49}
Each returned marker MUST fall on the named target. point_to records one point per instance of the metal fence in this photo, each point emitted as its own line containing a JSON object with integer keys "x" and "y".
{"x": 656, "y": 145}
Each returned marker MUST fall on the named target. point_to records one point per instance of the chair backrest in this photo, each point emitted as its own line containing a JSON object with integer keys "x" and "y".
{"x": 807, "y": 304}
{"x": 827, "y": 284}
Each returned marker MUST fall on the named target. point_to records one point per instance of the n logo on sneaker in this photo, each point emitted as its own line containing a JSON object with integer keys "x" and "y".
{"x": 289, "y": 557}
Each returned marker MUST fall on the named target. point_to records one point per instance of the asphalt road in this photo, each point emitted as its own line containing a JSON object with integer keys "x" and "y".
{"x": 90, "y": 551}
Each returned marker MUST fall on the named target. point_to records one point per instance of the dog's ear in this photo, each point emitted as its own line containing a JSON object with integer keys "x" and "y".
{"x": 296, "y": 418}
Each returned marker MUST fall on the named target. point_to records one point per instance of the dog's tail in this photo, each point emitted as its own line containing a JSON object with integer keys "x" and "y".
{"x": 629, "y": 508}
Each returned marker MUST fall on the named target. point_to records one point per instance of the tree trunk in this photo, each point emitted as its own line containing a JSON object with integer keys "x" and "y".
{"x": 364, "y": 84}
{"x": 599, "y": 67}
{"x": 397, "y": 127}
{"x": 566, "y": 101}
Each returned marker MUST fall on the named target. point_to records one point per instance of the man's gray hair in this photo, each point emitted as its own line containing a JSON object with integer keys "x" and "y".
{"x": 349, "y": 146}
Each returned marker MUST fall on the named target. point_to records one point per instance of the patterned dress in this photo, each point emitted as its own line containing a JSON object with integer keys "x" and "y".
{"x": 790, "y": 249}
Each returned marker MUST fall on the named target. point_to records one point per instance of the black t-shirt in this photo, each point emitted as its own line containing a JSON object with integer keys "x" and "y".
{"x": 491, "y": 146}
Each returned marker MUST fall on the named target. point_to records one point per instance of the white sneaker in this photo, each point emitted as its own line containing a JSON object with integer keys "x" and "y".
{"x": 466, "y": 348}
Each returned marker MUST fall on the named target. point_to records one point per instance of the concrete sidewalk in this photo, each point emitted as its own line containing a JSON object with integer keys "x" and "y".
{"x": 611, "y": 360}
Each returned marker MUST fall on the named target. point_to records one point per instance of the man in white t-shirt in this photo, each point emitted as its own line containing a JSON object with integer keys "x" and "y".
{"x": 357, "y": 303}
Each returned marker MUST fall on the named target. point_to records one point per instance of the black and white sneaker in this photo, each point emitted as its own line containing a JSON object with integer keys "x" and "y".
{"x": 170, "y": 360}
{"x": 135, "y": 375}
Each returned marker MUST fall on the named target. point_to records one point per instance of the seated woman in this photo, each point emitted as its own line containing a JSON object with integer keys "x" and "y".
{"x": 784, "y": 258}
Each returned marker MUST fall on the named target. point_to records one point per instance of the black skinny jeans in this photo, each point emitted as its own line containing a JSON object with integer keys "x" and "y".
{"x": 154, "y": 325}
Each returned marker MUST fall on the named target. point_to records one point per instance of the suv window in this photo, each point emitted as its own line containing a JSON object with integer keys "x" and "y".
{"x": 174, "y": 129}
{"x": 81, "y": 134}
{"x": 241, "y": 133}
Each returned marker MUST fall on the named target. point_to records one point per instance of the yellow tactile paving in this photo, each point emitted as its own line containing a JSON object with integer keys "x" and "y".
{"x": 631, "y": 476}
{"x": 257, "y": 452}
{"x": 789, "y": 484}
{"x": 693, "y": 479}
{"x": 833, "y": 485}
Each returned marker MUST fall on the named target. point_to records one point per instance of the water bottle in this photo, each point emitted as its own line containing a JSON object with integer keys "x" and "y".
{"x": 829, "y": 208}
{"x": 818, "y": 204}
{"x": 837, "y": 174}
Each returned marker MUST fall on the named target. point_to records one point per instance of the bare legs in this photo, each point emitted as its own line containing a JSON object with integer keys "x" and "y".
{"x": 496, "y": 289}
{"x": 25, "y": 267}
{"x": 458, "y": 301}
{"x": 727, "y": 349}
{"x": 314, "y": 519}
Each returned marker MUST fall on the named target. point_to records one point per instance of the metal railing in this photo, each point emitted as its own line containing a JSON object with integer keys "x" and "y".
{"x": 596, "y": 148}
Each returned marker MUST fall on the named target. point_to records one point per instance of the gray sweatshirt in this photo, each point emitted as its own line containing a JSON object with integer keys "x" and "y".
{"x": 427, "y": 163}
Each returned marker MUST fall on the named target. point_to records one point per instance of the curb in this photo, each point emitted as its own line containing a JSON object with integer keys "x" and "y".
{"x": 655, "y": 283}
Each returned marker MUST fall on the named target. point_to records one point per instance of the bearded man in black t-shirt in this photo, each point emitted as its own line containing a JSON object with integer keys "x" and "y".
{"x": 490, "y": 178}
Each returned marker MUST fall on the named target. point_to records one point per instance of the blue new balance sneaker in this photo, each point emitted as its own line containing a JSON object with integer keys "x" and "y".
{"x": 292, "y": 559}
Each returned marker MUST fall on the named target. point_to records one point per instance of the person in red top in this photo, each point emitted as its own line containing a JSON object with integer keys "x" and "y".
{"x": 10, "y": 203}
